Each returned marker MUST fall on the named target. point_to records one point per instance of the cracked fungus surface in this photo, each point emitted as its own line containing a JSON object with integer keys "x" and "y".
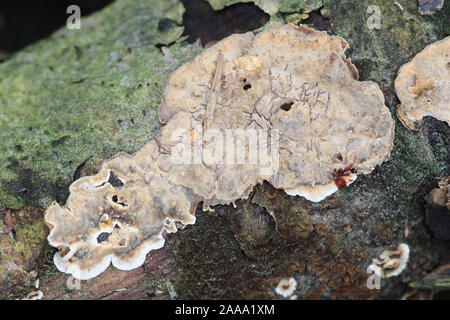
{"x": 316, "y": 125}
{"x": 423, "y": 85}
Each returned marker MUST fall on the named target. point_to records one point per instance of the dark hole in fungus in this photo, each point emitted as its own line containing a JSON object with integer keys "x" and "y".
{"x": 247, "y": 86}
{"x": 116, "y": 200}
{"x": 103, "y": 237}
{"x": 113, "y": 180}
{"x": 286, "y": 106}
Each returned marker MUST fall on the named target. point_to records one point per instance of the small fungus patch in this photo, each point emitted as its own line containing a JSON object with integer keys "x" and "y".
{"x": 301, "y": 121}
{"x": 423, "y": 86}
{"x": 391, "y": 262}
{"x": 34, "y": 295}
{"x": 286, "y": 287}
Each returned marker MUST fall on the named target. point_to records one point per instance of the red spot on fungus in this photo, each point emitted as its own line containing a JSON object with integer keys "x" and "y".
{"x": 342, "y": 176}
{"x": 339, "y": 156}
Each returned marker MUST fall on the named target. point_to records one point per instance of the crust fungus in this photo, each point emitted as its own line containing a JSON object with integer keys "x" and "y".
{"x": 286, "y": 287}
{"x": 391, "y": 262}
{"x": 34, "y": 295}
{"x": 284, "y": 106}
{"x": 423, "y": 85}
{"x": 118, "y": 215}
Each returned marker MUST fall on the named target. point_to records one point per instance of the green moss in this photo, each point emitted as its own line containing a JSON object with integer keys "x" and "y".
{"x": 19, "y": 255}
{"x": 30, "y": 233}
{"x": 84, "y": 95}
{"x": 296, "y": 18}
{"x": 378, "y": 53}
{"x": 291, "y": 6}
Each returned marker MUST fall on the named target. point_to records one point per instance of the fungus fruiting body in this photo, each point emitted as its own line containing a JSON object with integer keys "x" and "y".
{"x": 34, "y": 295}
{"x": 283, "y": 106}
{"x": 286, "y": 287}
{"x": 391, "y": 262}
{"x": 423, "y": 86}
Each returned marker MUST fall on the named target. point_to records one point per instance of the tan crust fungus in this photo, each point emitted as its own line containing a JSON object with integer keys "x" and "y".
{"x": 34, "y": 295}
{"x": 391, "y": 262}
{"x": 286, "y": 287}
{"x": 423, "y": 85}
{"x": 290, "y": 85}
